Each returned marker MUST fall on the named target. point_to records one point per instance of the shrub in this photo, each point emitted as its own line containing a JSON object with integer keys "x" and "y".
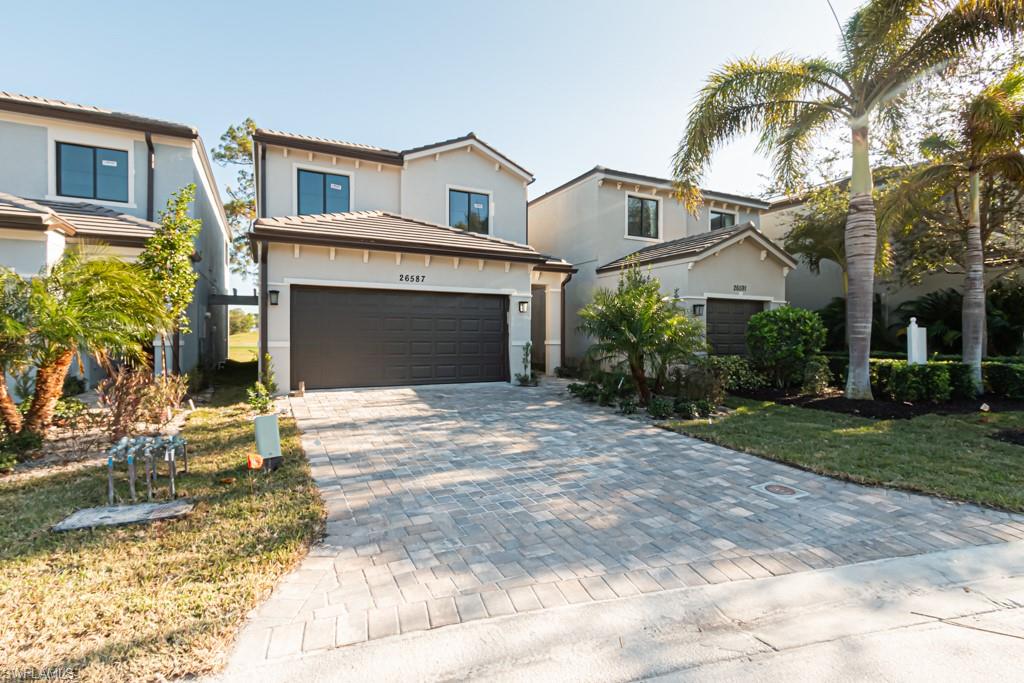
{"x": 73, "y": 386}
{"x": 703, "y": 379}
{"x": 817, "y": 376}
{"x": 782, "y": 341}
{"x": 691, "y": 410}
{"x": 8, "y": 459}
{"x": 67, "y": 411}
{"x": 929, "y": 382}
{"x": 259, "y": 398}
{"x": 739, "y": 374}
{"x": 566, "y": 372}
{"x": 123, "y": 394}
{"x": 660, "y": 407}
{"x": 527, "y": 378}
{"x": 961, "y": 381}
{"x": 166, "y": 391}
{"x": 586, "y": 391}
{"x": 21, "y": 444}
{"x": 1005, "y": 379}
{"x": 628, "y": 405}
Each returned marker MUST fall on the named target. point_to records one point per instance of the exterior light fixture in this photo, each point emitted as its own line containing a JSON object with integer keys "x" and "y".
{"x": 524, "y": 306}
{"x": 698, "y": 310}
{"x": 274, "y": 295}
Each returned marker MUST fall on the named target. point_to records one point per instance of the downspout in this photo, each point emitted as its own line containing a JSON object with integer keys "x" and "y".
{"x": 261, "y": 209}
{"x": 262, "y": 249}
{"x": 563, "y": 340}
{"x": 150, "y": 173}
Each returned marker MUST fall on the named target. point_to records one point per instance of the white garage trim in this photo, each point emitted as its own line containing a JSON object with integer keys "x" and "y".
{"x": 363, "y": 284}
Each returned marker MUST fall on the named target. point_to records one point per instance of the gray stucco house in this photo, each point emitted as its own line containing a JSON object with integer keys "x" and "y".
{"x": 722, "y": 267}
{"x": 73, "y": 174}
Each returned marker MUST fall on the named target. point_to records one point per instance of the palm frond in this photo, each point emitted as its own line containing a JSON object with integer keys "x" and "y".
{"x": 767, "y": 96}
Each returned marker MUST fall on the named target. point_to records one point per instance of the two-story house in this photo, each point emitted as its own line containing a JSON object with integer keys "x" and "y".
{"x": 380, "y": 267}
{"x": 723, "y": 269}
{"x": 76, "y": 174}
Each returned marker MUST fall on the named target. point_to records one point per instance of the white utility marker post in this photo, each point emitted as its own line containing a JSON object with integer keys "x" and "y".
{"x": 917, "y": 343}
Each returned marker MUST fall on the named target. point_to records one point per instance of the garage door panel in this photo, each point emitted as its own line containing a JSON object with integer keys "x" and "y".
{"x": 343, "y": 337}
{"x": 727, "y": 324}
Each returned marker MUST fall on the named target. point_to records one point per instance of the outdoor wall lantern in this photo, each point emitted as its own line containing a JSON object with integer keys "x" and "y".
{"x": 698, "y": 310}
{"x": 274, "y": 294}
{"x": 524, "y": 306}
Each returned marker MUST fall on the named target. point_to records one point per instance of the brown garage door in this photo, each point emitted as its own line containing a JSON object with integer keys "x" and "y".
{"x": 372, "y": 338}
{"x": 727, "y": 324}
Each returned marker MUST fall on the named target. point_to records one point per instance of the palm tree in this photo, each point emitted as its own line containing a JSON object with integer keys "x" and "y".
{"x": 13, "y": 341}
{"x": 639, "y": 327}
{"x": 97, "y": 303}
{"x": 985, "y": 151}
{"x": 887, "y": 45}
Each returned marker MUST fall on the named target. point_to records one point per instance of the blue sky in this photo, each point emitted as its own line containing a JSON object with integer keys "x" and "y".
{"x": 557, "y": 86}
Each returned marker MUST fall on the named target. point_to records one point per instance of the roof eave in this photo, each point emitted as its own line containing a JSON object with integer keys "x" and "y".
{"x": 394, "y": 159}
{"x": 110, "y": 120}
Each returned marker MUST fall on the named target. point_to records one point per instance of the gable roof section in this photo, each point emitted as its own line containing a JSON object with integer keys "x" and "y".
{"x": 696, "y": 247}
{"x": 379, "y": 154}
{"x": 78, "y": 219}
{"x": 383, "y": 231}
{"x": 85, "y": 113}
{"x": 661, "y": 183}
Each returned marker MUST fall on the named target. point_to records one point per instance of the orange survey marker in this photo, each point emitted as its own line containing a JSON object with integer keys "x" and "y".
{"x": 255, "y": 461}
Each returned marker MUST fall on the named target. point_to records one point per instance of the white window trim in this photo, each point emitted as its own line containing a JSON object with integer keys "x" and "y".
{"x": 88, "y": 139}
{"x": 491, "y": 208}
{"x": 625, "y": 214}
{"x": 735, "y": 217}
{"x": 329, "y": 170}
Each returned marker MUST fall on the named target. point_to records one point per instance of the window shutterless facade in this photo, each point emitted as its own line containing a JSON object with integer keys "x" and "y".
{"x": 721, "y": 219}
{"x": 92, "y": 172}
{"x": 469, "y": 211}
{"x": 642, "y": 217}
{"x": 322, "y": 192}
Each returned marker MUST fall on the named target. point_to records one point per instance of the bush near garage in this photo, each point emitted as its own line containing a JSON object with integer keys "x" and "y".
{"x": 782, "y": 341}
{"x": 1004, "y": 379}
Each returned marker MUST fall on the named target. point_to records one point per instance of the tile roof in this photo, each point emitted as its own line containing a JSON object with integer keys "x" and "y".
{"x": 341, "y": 147}
{"x": 693, "y": 245}
{"x": 80, "y": 219}
{"x": 43, "y": 106}
{"x": 651, "y": 180}
{"x": 383, "y": 231}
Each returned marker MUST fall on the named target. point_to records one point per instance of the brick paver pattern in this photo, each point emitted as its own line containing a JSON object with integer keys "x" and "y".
{"x": 455, "y": 503}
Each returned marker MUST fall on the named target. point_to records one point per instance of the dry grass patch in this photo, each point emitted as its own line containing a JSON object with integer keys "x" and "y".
{"x": 163, "y": 600}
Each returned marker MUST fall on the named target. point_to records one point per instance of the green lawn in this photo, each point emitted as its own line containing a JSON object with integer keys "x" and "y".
{"x": 242, "y": 347}
{"x": 945, "y": 455}
{"x": 159, "y": 601}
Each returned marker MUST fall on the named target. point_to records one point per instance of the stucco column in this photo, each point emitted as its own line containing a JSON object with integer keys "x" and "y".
{"x": 553, "y": 327}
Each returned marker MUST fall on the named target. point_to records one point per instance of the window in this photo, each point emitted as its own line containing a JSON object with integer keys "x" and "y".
{"x": 469, "y": 211}
{"x": 642, "y": 218}
{"x": 322, "y": 192}
{"x": 92, "y": 172}
{"x": 720, "y": 219}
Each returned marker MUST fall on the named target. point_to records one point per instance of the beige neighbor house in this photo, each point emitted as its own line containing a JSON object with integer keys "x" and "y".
{"x": 718, "y": 261}
{"x": 380, "y": 267}
{"x": 73, "y": 174}
{"x": 814, "y": 291}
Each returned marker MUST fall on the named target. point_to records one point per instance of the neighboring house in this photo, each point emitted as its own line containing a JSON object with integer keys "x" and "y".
{"x": 75, "y": 174}
{"x": 814, "y": 291}
{"x": 381, "y": 267}
{"x": 718, "y": 262}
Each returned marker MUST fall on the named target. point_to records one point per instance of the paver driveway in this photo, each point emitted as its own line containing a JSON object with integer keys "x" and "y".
{"x": 454, "y": 503}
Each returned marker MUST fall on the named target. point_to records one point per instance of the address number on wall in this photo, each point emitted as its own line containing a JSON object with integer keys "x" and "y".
{"x": 408, "y": 277}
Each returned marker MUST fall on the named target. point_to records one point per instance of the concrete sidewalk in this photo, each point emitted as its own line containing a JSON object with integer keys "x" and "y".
{"x": 953, "y": 615}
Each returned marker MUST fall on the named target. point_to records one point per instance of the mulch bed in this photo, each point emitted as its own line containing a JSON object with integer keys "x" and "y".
{"x": 1014, "y": 436}
{"x": 835, "y": 402}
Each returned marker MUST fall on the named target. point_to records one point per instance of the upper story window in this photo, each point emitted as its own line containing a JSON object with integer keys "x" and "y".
{"x": 469, "y": 211}
{"x": 722, "y": 219}
{"x": 92, "y": 172}
{"x": 322, "y": 192}
{"x": 642, "y": 217}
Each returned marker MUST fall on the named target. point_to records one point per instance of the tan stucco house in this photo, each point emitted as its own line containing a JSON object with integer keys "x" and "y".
{"x": 718, "y": 261}
{"x": 381, "y": 267}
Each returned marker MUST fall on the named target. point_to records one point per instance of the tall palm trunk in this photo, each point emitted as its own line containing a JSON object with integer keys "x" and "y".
{"x": 49, "y": 386}
{"x": 861, "y": 242}
{"x": 974, "y": 286}
{"x": 8, "y": 410}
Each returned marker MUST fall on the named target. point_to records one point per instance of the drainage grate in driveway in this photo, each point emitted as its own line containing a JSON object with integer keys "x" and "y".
{"x": 780, "y": 491}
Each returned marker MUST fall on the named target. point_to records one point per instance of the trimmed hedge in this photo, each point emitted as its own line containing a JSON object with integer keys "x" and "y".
{"x": 938, "y": 380}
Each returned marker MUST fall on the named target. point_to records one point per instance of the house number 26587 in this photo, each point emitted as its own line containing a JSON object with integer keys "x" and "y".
{"x": 407, "y": 277}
